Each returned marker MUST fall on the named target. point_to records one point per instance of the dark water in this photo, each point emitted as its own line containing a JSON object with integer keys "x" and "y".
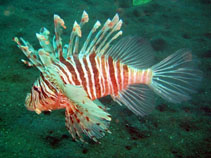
{"x": 171, "y": 131}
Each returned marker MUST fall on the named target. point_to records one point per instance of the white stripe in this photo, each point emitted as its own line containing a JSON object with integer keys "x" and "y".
{"x": 43, "y": 98}
{"x": 116, "y": 72}
{"x": 69, "y": 75}
{"x": 46, "y": 89}
{"x": 134, "y": 75}
{"x": 142, "y": 76}
{"x": 108, "y": 77}
{"x": 92, "y": 75}
{"x": 61, "y": 73}
{"x": 100, "y": 74}
{"x": 38, "y": 96}
{"x": 147, "y": 75}
{"x": 76, "y": 70}
{"x": 102, "y": 77}
{"x": 85, "y": 76}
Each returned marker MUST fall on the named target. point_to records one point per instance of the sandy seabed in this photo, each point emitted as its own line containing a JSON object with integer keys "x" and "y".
{"x": 171, "y": 131}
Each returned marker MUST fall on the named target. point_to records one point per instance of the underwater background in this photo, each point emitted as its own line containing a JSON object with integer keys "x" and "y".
{"x": 170, "y": 131}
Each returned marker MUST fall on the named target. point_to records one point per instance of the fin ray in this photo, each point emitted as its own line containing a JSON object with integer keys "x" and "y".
{"x": 86, "y": 116}
{"x": 133, "y": 51}
{"x": 176, "y": 77}
{"x": 138, "y": 98}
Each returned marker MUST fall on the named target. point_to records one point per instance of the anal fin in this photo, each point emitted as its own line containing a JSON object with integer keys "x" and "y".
{"x": 138, "y": 98}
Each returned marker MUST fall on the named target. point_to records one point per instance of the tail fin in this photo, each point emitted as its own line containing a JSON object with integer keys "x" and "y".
{"x": 176, "y": 77}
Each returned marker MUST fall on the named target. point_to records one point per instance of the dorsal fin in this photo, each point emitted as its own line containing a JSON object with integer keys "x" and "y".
{"x": 133, "y": 51}
{"x": 100, "y": 43}
{"x": 44, "y": 38}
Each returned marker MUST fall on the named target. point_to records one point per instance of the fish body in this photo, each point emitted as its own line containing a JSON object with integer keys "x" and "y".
{"x": 74, "y": 78}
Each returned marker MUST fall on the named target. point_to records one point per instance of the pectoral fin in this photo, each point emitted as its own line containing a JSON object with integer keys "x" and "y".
{"x": 84, "y": 115}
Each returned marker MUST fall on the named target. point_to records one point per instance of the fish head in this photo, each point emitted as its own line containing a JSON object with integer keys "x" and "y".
{"x": 30, "y": 104}
{"x": 37, "y": 100}
{"x": 45, "y": 96}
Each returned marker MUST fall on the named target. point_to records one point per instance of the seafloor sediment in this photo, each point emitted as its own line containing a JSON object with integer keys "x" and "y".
{"x": 171, "y": 131}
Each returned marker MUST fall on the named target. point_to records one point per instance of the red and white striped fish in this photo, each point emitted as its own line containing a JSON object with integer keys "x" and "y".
{"x": 74, "y": 78}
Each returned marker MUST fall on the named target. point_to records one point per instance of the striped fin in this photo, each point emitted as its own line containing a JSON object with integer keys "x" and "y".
{"x": 84, "y": 19}
{"x": 100, "y": 43}
{"x": 138, "y": 98}
{"x": 73, "y": 46}
{"x": 84, "y": 115}
{"x": 103, "y": 37}
{"x": 45, "y": 57}
{"x": 58, "y": 25}
{"x": 95, "y": 27}
{"x": 133, "y": 51}
{"x": 44, "y": 39}
{"x": 30, "y": 53}
{"x": 176, "y": 77}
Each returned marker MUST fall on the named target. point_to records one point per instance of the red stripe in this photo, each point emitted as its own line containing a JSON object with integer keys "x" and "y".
{"x": 48, "y": 83}
{"x": 81, "y": 72}
{"x": 42, "y": 101}
{"x": 39, "y": 95}
{"x": 96, "y": 75}
{"x": 60, "y": 51}
{"x": 145, "y": 76}
{"x": 112, "y": 75}
{"x": 103, "y": 65}
{"x": 119, "y": 75}
{"x": 125, "y": 75}
{"x": 89, "y": 77}
{"x": 64, "y": 72}
{"x": 43, "y": 92}
{"x": 36, "y": 89}
{"x": 101, "y": 80}
{"x": 71, "y": 69}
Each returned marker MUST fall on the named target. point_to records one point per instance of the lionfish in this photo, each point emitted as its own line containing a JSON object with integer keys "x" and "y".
{"x": 75, "y": 78}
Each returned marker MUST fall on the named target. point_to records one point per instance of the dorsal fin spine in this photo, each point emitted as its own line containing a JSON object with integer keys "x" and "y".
{"x": 95, "y": 27}
{"x": 99, "y": 36}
